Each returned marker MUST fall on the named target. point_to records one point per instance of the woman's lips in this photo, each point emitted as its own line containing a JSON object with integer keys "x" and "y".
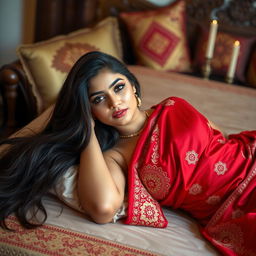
{"x": 119, "y": 113}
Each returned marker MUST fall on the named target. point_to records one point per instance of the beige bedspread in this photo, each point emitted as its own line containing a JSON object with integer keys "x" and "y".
{"x": 228, "y": 106}
{"x": 231, "y": 107}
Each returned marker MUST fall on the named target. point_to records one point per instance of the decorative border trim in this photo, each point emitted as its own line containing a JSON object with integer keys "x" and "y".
{"x": 64, "y": 242}
{"x": 232, "y": 198}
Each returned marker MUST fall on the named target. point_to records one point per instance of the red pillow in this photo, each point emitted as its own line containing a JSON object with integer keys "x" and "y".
{"x": 223, "y": 52}
{"x": 251, "y": 74}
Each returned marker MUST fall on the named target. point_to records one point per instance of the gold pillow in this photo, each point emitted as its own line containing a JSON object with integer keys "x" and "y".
{"x": 47, "y": 63}
{"x": 159, "y": 37}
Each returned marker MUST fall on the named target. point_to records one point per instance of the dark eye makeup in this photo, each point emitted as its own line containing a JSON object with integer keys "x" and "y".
{"x": 117, "y": 88}
{"x": 98, "y": 99}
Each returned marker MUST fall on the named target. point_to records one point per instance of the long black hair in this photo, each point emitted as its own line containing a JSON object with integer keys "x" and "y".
{"x": 31, "y": 165}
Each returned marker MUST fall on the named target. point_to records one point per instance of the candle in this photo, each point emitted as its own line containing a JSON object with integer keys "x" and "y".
{"x": 211, "y": 39}
{"x": 234, "y": 57}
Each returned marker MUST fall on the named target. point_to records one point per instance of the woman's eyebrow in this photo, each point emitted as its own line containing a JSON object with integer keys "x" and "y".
{"x": 110, "y": 86}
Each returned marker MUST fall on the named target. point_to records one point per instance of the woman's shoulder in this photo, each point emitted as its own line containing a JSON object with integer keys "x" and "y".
{"x": 115, "y": 155}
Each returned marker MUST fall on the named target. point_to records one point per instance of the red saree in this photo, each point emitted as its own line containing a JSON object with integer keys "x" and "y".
{"x": 182, "y": 162}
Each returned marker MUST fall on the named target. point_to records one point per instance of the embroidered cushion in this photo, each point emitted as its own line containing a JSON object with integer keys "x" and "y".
{"x": 159, "y": 37}
{"x": 47, "y": 63}
{"x": 223, "y": 52}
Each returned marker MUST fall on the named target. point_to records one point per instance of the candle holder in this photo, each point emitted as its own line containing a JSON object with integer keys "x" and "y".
{"x": 206, "y": 70}
{"x": 229, "y": 79}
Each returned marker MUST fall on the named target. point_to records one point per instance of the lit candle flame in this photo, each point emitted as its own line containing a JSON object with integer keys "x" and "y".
{"x": 236, "y": 43}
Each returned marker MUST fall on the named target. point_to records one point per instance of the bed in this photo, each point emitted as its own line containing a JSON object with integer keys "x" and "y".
{"x": 68, "y": 232}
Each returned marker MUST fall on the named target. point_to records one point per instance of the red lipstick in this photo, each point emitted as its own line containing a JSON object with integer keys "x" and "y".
{"x": 119, "y": 113}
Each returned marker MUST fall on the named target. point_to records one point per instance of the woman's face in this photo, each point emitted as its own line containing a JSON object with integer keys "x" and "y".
{"x": 112, "y": 99}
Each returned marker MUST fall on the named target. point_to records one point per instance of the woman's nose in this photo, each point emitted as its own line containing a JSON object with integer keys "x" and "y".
{"x": 114, "y": 101}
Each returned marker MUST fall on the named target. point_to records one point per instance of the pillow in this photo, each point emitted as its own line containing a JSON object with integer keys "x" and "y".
{"x": 47, "y": 63}
{"x": 223, "y": 52}
{"x": 251, "y": 74}
{"x": 159, "y": 37}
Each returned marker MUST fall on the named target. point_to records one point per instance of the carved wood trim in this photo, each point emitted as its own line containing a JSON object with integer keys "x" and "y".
{"x": 19, "y": 103}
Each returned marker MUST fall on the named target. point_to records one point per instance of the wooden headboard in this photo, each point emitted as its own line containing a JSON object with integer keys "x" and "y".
{"x": 55, "y": 17}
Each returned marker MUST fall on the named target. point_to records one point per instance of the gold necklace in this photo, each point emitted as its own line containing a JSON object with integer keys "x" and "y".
{"x": 135, "y": 134}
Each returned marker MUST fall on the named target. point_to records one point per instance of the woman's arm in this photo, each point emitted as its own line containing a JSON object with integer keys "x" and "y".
{"x": 101, "y": 182}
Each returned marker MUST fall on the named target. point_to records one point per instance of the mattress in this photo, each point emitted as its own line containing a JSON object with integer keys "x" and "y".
{"x": 69, "y": 232}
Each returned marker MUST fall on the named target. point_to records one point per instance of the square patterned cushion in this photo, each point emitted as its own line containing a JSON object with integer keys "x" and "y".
{"x": 251, "y": 74}
{"x": 159, "y": 37}
{"x": 47, "y": 63}
{"x": 223, "y": 52}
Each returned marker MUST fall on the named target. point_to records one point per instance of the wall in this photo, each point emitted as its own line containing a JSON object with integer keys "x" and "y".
{"x": 16, "y": 26}
{"x": 161, "y": 2}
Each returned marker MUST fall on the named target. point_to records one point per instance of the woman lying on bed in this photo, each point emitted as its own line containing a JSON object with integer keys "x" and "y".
{"x": 171, "y": 155}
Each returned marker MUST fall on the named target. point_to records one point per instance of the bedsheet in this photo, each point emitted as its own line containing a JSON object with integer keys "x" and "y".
{"x": 68, "y": 232}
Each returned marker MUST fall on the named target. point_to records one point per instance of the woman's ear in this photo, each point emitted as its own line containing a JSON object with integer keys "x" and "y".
{"x": 137, "y": 97}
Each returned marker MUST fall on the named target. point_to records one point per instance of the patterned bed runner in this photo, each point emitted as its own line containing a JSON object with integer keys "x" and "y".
{"x": 52, "y": 240}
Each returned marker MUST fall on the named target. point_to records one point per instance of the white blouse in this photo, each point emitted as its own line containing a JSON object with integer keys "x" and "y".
{"x": 66, "y": 191}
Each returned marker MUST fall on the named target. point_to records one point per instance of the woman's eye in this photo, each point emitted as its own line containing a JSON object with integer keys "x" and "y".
{"x": 119, "y": 87}
{"x": 98, "y": 99}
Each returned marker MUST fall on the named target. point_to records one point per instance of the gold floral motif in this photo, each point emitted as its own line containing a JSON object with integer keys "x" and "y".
{"x": 195, "y": 189}
{"x": 156, "y": 181}
{"x": 68, "y": 54}
{"x": 155, "y": 134}
{"x": 145, "y": 208}
{"x": 220, "y": 168}
{"x": 191, "y": 157}
{"x": 149, "y": 212}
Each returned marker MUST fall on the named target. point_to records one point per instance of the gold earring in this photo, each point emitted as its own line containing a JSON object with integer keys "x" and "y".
{"x": 138, "y": 100}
